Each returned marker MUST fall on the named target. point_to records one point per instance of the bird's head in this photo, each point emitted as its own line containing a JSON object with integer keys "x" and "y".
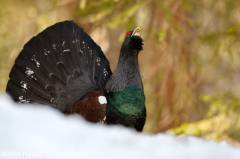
{"x": 133, "y": 41}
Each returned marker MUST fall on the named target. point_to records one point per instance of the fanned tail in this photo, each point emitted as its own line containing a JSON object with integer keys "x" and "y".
{"x": 57, "y": 67}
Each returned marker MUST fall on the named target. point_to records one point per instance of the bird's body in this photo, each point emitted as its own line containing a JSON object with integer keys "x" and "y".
{"x": 64, "y": 68}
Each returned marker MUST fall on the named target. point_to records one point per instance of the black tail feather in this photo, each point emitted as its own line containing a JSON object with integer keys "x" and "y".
{"x": 57, "y": 67}
{"x": 16, "y": 93}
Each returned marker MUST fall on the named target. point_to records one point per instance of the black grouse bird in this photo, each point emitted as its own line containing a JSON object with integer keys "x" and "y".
{"x": 64, "y": 68}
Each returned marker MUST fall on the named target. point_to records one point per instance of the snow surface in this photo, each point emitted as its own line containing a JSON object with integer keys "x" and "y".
{"x": 34, "y": 131}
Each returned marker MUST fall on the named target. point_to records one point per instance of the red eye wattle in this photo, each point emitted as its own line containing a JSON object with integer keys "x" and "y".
{"x": 128, "y": 33}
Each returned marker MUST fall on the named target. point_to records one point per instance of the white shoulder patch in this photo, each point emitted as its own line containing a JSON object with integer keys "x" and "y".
{"x": 102, "y": 100}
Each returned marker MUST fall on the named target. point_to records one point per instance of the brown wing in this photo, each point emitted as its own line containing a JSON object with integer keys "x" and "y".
{"x": 89, "y": 107}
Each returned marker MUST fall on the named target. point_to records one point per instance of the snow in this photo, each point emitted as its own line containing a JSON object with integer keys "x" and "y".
{"x": 34, "y": 131}
{"x": 102, "y": 100}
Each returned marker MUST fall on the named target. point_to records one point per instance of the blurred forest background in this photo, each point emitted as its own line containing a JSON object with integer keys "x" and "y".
{"x": 190, "y": 64}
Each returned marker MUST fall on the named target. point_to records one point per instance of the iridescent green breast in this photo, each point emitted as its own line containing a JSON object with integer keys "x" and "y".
{"x": 130, "y": 101}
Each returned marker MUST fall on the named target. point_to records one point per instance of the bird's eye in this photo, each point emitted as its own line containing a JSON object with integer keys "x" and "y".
{"x": 128, "y": 33}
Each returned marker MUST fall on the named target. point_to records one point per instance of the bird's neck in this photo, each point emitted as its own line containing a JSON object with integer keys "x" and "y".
{"x": 126, "y": 74}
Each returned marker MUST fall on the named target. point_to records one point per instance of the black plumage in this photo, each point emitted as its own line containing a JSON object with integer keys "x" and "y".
{"x": 64, "y": 68}
{"x": 57, "y": 67}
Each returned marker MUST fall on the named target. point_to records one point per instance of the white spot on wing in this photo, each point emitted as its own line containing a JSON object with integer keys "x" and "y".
{"x": 102, "y": 100}
{"x": 29, "y": 72}
{"x": 83, "y": 45}
{"x": 54, "y": 46}
{"x": 24, "y": 86}
{"x": 90, "y": 51}
{"x": 98, "y": 61}
{"x": 105, "y": 73}
{"x": 66, "y": 50}
{"x": 35, "y": 61}
{"x": 22, "y": 100}
{"x": 63, "y": 43}
{"x": 45, "y": 51}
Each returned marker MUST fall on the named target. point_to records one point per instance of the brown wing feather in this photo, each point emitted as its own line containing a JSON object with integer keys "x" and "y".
{"x": 89, "y": 107}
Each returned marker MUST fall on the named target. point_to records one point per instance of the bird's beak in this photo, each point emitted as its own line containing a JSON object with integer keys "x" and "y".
{"x": 136, "y": 32}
